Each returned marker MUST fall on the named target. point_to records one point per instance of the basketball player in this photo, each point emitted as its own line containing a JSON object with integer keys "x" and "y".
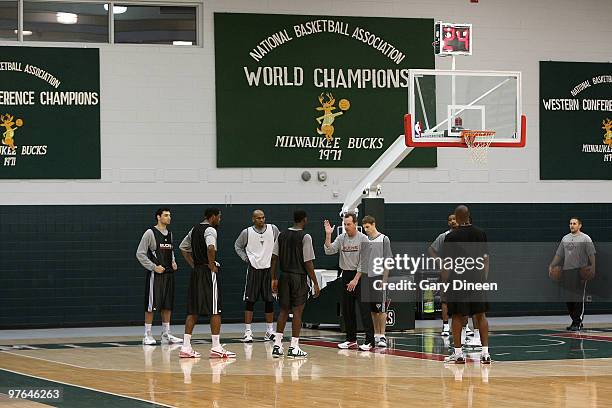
{"x": 199, "y": 247}
{"x": 294, "y": 252}
{"x": 577, "y": 251}
{"x": 349, "y": 244}
{"x": 156, "y": 254}
{"x": 462, "y": 303}
{"x": 254, "y": 246}
{"x": 433, "y": 251}
{"x": 380, "y": 247}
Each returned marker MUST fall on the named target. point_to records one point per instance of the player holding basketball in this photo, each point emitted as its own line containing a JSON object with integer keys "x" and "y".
{"x": 254, "y": 246}
{"x": 577, "y": 253}
{"x": 377, "y": 245}
{"x": 199, "y": 247}
{"x": 462, "y": 303}
{"x": 294, "y": 252}
{"x": 433, "y": 251}
{"x": 349, "y": 245}
{"x": 156, "y": 254}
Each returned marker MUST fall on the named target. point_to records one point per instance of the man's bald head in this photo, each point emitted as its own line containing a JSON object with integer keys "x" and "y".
{"x": 259, "y": 219}
{"x": 462, "y": 215}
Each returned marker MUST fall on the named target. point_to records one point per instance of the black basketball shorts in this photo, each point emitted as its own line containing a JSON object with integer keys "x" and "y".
{"x": 293, "y": 290}
{"x": 159, "y": 291}
{"x": 204, "y": 294}
{"x": 258, "y": 285}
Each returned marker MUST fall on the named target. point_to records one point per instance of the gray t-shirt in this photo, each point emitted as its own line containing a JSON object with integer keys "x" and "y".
{"x": 437, "y": 244}
{"x": 210, "y": 236}
{"x": 349, "y": 248}
{"x": 147, "y": 242}
{"x": 241, "y": 242}
{"x": 307, "y": 248}
{"x": 575, "y": 250}
{"x": 378, "y": 247}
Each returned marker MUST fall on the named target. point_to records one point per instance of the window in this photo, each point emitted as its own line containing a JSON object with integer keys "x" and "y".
{"x": 155, "y": 25}
{"x": 65, "y": 22}
{"x": 8, "y": 20}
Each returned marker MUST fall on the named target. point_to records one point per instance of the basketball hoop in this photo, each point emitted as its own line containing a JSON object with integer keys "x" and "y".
{"x": 478, "y": 142}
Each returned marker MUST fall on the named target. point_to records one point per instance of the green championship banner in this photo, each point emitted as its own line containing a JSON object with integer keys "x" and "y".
{"x": 49, "y": 113}
{"x": 575, "y": 121}
{"x": 315, "y": 91}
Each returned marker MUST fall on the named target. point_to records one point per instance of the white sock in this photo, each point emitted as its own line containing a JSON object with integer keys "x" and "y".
{"x": 216, "y": 342}
{"x": 278, "y": 339}
{"x": 476, "y": 333}
{"x": 376, "y": 336}
{"x": 445, "y": 326}
{"x": 467, "y": 326}
{"x": 485, "y": 349}
{"x": 165, "y": 327}
{"x": 458, "y": 351}
{"x": 148, "y": 328}
{"x": 295, "y": 342}
{"x": 247, "y": 327}
{"x": 187, "y": 340}
{"x": 270, "y": 327}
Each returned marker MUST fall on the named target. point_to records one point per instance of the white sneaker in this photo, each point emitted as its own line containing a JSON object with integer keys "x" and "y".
{"x": 382, "y": 342}
{"x": 473, "y": 342}
{"x": 168, "y": 338}
{"x": 296, "y": 352}
{"x": 445, "y": 331}
{"x": 277, "y": 351}
{"x": 248, "y": 337}
{"x": 455, "y": 358}
{"x": 220, "y": 352}
{"x": 188, "y": 352}
{"x": 347, "y": 345}
{"x": 365, "y": 347}
{"x": 148, "y": 339}
{"x": 269, "y": 336}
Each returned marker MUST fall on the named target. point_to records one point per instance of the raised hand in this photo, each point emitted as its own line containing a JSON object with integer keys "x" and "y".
{"x": 328, "y": 227}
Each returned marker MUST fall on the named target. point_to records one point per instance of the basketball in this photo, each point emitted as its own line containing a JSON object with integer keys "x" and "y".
{"x": 586, "y": 273}
{"x": 344, "y": 104}
{"x": 555, "y": 272}
{"x": 19, "y": 122}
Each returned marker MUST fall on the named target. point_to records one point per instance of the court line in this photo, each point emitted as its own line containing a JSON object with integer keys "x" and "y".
{"x": 84, "y": 367}
{"x": 89, "y": 388}
{"x": 579, "y": 336}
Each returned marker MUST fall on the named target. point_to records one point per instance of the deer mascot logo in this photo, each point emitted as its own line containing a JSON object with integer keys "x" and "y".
{"x": 328, "y": 117}
{"x": 8, "y": 137}
{"x": 607, "y": 126}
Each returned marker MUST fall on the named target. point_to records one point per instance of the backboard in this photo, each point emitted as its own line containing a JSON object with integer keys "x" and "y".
{"x": 443, "y": 103}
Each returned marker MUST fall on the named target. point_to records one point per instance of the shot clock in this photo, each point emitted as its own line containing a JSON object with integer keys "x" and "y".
{"x": 452, "y": 39}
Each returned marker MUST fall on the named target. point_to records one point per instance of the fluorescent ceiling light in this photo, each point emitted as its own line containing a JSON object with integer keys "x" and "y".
{"x": 182, "y": 43}
{"x": 116, "y": 9}
{"x": 66, "y": 18}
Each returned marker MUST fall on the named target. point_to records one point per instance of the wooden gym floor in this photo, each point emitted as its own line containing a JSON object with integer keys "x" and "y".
{"x": 532, "y": 367}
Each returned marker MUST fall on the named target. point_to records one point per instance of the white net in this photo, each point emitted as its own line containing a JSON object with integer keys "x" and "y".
{"x": 478, "y": 143}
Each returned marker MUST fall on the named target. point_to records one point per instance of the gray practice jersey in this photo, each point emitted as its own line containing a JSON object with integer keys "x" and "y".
{"x": 307, "y": 248}
{"x": 374, "y": 249}
{"x": 241, "y": 242}
{"x": 147, "y": 242}
{"x": 349, "y": 248}
{"x": 437, "y": 244}
{"x": 575, "y": 250}
{"x": 210, "y": 236}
